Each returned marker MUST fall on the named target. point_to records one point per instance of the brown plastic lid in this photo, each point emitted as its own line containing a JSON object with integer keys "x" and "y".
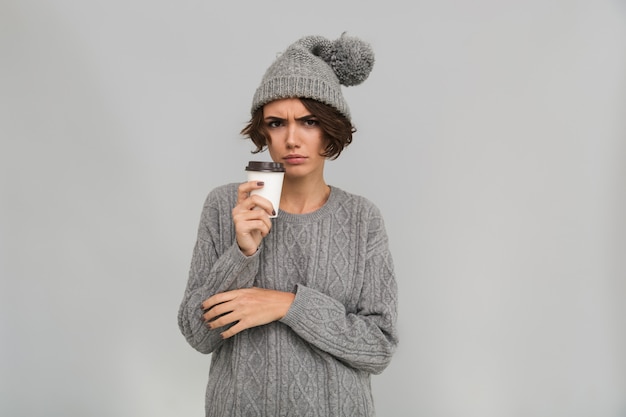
{"x": 265, "y": 166}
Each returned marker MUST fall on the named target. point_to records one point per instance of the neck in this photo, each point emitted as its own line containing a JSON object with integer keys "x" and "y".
{"x": 300, "y": 197}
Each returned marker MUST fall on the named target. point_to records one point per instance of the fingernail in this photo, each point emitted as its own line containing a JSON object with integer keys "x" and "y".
{"x": 259, "y": 183}
{"x": 273, "y": 212}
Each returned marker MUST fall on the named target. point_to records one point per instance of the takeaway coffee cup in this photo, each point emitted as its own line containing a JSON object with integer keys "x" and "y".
{"x": 272, "y": 174}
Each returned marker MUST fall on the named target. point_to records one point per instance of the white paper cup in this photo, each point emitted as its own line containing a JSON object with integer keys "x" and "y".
{"x": 272, "y": 174}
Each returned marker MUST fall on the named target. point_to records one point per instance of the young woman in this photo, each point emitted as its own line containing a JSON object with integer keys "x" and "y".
{"x": 297, "y": 311}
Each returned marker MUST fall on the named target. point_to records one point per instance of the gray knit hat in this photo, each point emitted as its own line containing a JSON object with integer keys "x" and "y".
{"x": 315, "y": 67}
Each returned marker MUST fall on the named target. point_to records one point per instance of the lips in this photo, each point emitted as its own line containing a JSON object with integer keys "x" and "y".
{"x": 294, "y": 159}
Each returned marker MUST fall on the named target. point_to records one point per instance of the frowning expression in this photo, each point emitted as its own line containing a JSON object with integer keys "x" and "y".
{"x": 295, "y": 137}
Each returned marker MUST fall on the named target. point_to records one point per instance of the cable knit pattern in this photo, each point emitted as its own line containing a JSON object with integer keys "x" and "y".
{"x": 340, "y": 329}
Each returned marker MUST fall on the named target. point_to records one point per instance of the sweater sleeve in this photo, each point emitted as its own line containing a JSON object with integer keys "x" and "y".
{"x": 217, "y": 265}
{"x": 364, "y": 339}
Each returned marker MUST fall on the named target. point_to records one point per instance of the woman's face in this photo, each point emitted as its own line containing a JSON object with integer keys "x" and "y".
{"x": 295, "y": 137}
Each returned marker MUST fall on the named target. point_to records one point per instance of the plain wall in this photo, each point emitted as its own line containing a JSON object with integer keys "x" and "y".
{"x": 496, "y": 129}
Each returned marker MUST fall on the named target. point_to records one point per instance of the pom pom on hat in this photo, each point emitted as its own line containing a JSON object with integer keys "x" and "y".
{"x": 351, "y": 58}
{"x": 315, "y": 67}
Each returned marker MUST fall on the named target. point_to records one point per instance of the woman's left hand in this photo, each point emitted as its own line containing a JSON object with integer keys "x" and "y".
{"x": 247, "y": 307}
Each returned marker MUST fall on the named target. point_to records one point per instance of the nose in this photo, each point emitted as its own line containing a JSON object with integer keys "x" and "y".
{"x": 291, "y": 141}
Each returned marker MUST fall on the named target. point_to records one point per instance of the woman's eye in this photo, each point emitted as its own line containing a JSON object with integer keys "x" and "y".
{"x": 311, "y": 122}
{"x": 273, "y": 123}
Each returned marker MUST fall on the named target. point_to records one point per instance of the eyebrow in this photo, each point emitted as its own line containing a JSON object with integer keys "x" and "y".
{"x": 299, "y": 119}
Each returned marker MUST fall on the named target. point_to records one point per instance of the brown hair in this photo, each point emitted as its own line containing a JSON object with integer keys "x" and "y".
{"x": 336, "y": 128}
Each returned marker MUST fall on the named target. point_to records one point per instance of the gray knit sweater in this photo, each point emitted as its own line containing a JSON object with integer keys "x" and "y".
{"x": 340, "y": 329}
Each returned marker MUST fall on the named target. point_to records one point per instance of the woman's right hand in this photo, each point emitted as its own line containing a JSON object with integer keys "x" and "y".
{"x": 251, "y": 224}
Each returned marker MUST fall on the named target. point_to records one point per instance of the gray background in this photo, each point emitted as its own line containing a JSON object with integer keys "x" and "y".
{"x": 491, "y": 135}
